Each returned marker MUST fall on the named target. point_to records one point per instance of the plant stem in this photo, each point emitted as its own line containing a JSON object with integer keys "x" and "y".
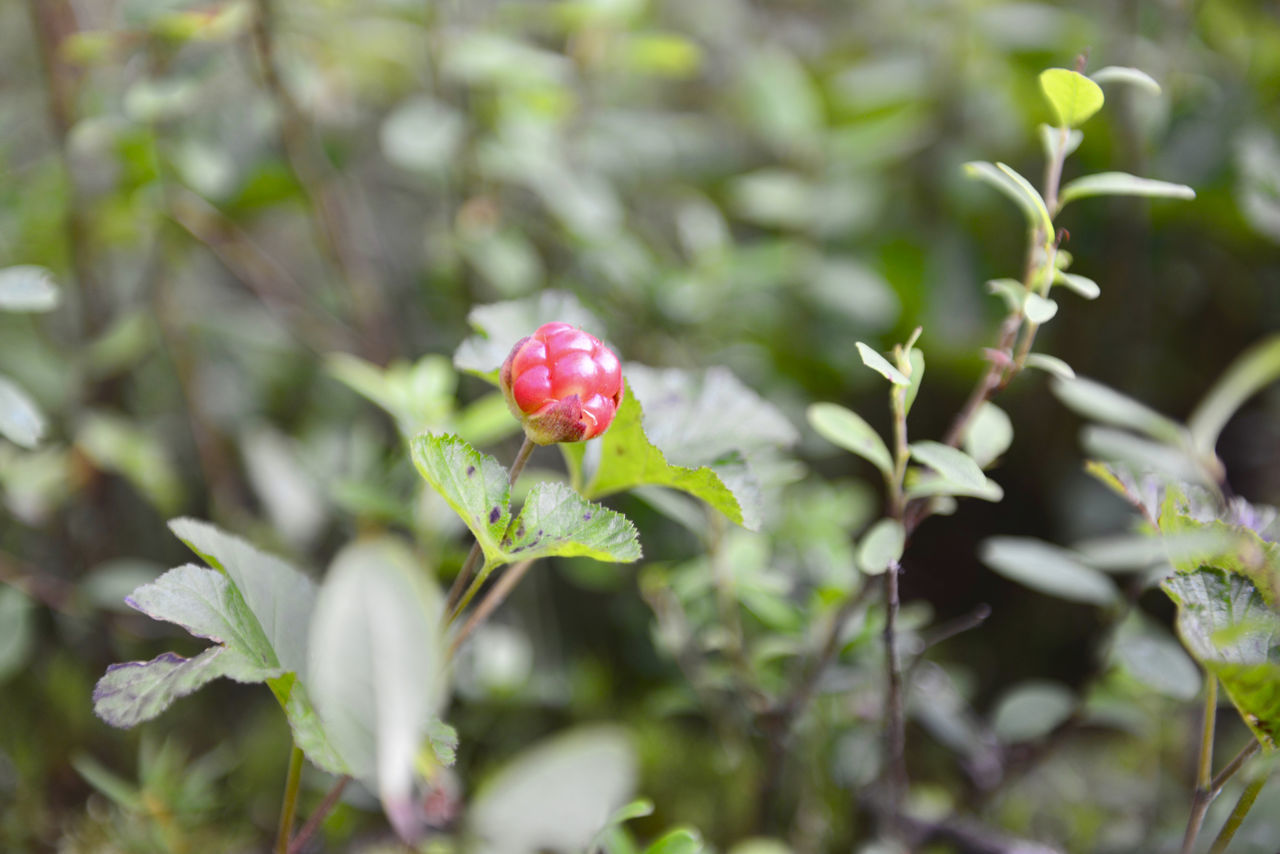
{"x": 894, "y": 720}
{"x": 492, "y": 600}
{"x": 1215, "y": 788}
{"x": 456, "y": 601}
{"x": 313, "y": 823}
{"x": 1247, "y": 797}
{"x": 1203, "y": 795}
{"x": 289, "y": 809}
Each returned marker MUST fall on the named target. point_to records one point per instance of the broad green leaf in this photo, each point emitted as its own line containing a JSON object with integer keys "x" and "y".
{"x": 17, "y": 631}
{"x": 279, "y": 596}
{"x": 1230, "y": 629}
{"x": 1059, "y": 143}
{"x": 27, "y": 288}
{"x": 678, "y": 841}
{"x": 473, "y": 484}
{"x": 20, "y": 418}
{"x": 989, "y": 435}
{"x": 377, "y": 670}
{"x": 1022, "y": 193}
{"x": 1130, "y": 76}
{"x": 1048, "y": 569}
{"x": 1105, "y": 405}
{"x": 555, "y": 795}
{"x": 1085, "y": 287}
{"x": 1253, "y": 370}
{"x": 915, "y": 357}
{"x": 419, "y": 395}
{"x": 1122, "y": 184}
{"x": 499, "y": 326}
{"x": 137, "y": 691}
{"x": 1074, "y": 97}
{"x": 951, "y": 463}
{"x": 847, "y": 430}
{"x": 1051, "y": 365}
{"x": 1192, "y": 543}
{"x": 881, "y": 546}
{"x": 1031, "y": 710}
{"x": 881, "y": 365}
{"x": 555, "y": 520}
{"x": 1039, "y": 309}
{"x": 118, "y": 444}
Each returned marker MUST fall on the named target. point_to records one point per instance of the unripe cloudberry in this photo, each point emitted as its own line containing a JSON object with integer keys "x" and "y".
{"x": 563, "y": 384}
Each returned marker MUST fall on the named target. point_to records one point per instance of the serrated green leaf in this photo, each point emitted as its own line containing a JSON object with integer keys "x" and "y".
{"x": 1051, "y": 365}
{"x": 1192, "y": 544}
{"x": 1048, "y": 569}
{"x": 881, "y": 365}
{"x": 1230, "y": 629}
{"x": 1253, "y": 370}
{"x": 951, "y": 463}
{"x": 1130, "y": 76}
{"x": 989, "y": 435}
{"x": 473, "y": 484}
{"x": 555, "y": 520}
{"x": 1074, "y": 97}
{"x": 881, "y": 546}
{"x": 1031, "y": 203}
{"x": 1085, "y": 287}
{"x": 137, "y": 691}
{"x": 377, "y": 669}
{"x": 278, "y": 595}
{"x": 27, "y": 288}
{"x": 1122, "y": 184}
{"x": 846, "y": 429}
{"x": 1108, "y": 406}
{"x": 20, "y": 418}
{"x": 1038, "y": 309}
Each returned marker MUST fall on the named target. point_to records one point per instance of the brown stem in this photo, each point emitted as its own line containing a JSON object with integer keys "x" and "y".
{"x": 894, "y": 720}
{"x": 492, "y": 600}
{"x": 1203, "y": 795}
{"x": 313, "y": 823}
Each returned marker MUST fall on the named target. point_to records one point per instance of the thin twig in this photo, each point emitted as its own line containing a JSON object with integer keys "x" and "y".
{"x": 1242, "y": 807}
{"x": 492, "y": 600}
{"x": 1202, "y": 796}
{"x": 323, "y": 810}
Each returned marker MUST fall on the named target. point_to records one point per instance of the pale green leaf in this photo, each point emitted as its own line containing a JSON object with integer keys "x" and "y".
{"x": 422, "y": 135}
{"x": 847, "y": 430}
{"x": 1122, "y": 184}
{"x": 1051, "y": 365}
{"x": 1253, "y": 370}
{"x": 1031, "y": 202}
{"x": 377, "y": 670}
{"x": 20, "y": 418}
{"x": 1085, "y": 287}
{"x": 1038, "y": 309}
{"x": 989, "y": 435}
{"x": 1108, "y": 406}
{"x": 881, "y": 546}
{"x": 17, "y": 631}
{"x": 27, "y": 288}
{"x": 951, "y": 463}
{"x": 1030, "y": 192}
{"x": 1074, "y": 97}
{"x": 924, "y": 485}
{"x": 881, "y": 365}
{"x": 1031, "y": 710}
{"x": 1013, "y": 292}
{"x": 1048, "y": 569}
{"x": 915, "y": 357}
{"x": 678, "y": 841}
{"x": 1120, "y": 446}
{"x": 1059, "y": 143}
{"x": 1126, "y": 75}
{"x": 137, "y": 691}
{"x": 116, "y": 443}
{"x": 1147, "y": 653}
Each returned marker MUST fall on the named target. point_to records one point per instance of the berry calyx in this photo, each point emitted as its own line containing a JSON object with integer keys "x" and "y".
{"x": 563, "y": 384}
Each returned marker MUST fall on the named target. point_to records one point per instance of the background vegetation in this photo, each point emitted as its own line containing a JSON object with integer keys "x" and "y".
{"x": 231, "y": 193}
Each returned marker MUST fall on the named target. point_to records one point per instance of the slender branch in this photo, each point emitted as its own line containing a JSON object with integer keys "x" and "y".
{"x": 313, "y": 823}
{"x": 456, "y": 601}
{"x": 1247, "y": 797}
{"x": 492, "y": 600}
{"x": 1229, "y": 770}
{"x": 894, "y": 711}
{"x": 1202, "y": 796}
{"x": 289, "y": 808}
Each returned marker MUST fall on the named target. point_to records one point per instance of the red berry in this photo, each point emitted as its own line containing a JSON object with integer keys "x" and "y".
{"x": 563, "y": 384}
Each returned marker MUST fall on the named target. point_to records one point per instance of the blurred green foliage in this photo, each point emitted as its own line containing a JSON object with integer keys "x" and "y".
{"x": 251, "y": 208}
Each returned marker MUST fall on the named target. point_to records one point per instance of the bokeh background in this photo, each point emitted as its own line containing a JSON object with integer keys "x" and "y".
{"x": 229, "y": 193}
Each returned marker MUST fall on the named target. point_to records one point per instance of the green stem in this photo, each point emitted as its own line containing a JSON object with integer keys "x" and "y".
{"x": 1247, "y": 797}
{"x": 1203, "y": 795}
{"x": 289, "y": 809}
{"x": 492, "y": 600}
